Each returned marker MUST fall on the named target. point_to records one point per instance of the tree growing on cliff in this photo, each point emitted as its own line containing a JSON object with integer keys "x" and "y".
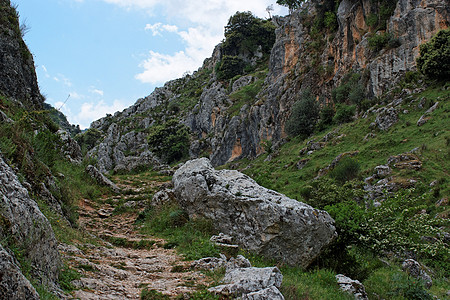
{"x": 434, "y": 59}
{"x": 291, "y": 4}
{"x": 304, "y": 116}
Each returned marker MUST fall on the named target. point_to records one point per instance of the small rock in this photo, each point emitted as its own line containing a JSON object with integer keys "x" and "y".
{"x": 302, "y": 163}
{"x": 351, "y": 286}
{"x": 442, "y": 202}
{"x": 209, "y": 263}
{"x": 414, "y": 269}
{"x": 238, "y": 262}
{"x": 104, "y": 213}
{"x": 238, "y": 282}
{"x": 271, "y": 293}
{"x": 101, "y": 179}
{"x": 383, "y": 171}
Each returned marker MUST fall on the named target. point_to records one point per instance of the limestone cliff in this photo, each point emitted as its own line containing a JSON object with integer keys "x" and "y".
{"x": 17, "y": 74}
{"x": 226, "y": 125}
{"x": 28, "y": 249}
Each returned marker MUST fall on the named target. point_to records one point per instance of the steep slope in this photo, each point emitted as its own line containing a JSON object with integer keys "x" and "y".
{"x": 237, "y": 117}
{"x": 32, "y": 150}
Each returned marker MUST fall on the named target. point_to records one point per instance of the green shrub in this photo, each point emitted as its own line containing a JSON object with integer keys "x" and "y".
{"x": 229, "y": 67}
{"x": 303, "y": 119}
{"x": 330, "y": 21}
{"x": 346, "y": 169}
{"x": 170, "y": 140}
{"x": 434, "y": 59}
{"x": 344, "y": 113}
{"x": 88, "y": 139}
{"x": 398, "y": 225}
{"x": 147, "y": 294}
{"x": 383, "y": 40}
{"x": 244, "y": 33}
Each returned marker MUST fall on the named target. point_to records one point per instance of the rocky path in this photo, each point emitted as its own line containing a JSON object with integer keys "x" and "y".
{"x": 125, "y": 262}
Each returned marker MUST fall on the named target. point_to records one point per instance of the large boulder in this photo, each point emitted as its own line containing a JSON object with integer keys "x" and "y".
{"x": 24, "y": 226}
{"x": 259, "y": 219}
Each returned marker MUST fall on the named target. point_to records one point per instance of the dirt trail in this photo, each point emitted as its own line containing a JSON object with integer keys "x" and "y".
{"x": 120, "y": 269}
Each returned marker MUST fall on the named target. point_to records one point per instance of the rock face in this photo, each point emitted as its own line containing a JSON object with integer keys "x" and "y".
{"x": 13, "y": 285}
{"x": 260, "y": 220}
{"x": 26, "y": 227}
{"x": 17, "y": 74}
{"x": 226, "y": 131}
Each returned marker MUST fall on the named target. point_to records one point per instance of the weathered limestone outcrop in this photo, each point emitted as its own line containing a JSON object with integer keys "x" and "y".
{"x": 259, "y": 220}
{"x": 13, "y": 285}
{"x": 17, "y": 74}
{"x": 294, "y": 66}
{"x": 24, "y": 225}
{"x": 101, "y": 179}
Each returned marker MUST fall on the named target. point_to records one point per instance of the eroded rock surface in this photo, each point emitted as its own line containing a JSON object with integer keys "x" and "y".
{"x": 25, "y": 225}
{"x": 259, "y": 220}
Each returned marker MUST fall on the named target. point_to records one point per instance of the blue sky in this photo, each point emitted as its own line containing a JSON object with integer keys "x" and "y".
{"x": 106, "y": 54}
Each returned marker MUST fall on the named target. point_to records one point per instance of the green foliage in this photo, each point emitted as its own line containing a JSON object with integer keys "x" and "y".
{"x": 346, "y": 169}
{"x": 398, "y": 225}
{"x": 316, "y": 284}
{"x": 229, "y": 66}
{"x": 389, "y": 283}
{"x": 330, "y": 21}
{"x": 303, "y": 119}
{"x": 326, "y": 115}
{"x": 169, "y": 140}
{"x": 350, "y": 90}
{"x": 244, "y": 33}
{"x": 383, "y": 40}
{"x": 66, "y": 276}
{"x": 291, "y": 4}
{"x": 245, "y": 95}
{"x": 434, "y": 59}
{"x": 147, "y": 294}
{"x": 88, "y": 139}
{"x": 385, "y": 9}
{"x": 344, "y": 113}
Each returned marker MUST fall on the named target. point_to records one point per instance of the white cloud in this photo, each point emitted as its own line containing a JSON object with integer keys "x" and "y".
{"x": 93, "y": 111}
{"x": 96, "y": 91}
{"x": 61, "y": 78}
{"x": 205, "y": 21}
{"x": 157, "y": 28}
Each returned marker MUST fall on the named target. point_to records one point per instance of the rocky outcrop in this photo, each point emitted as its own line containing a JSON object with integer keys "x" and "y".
{"x": 250, "y": 283}
{"x": 414, "y": 269}
{"x": 353, "y": 287}
{"x": 298, "y": 61}
{"x": 13, "y": 285}
{"x": 101, "y": 179}
{"x": 70, "y": 148}
{"x": 24, "y": 225}
{"x": 259, "y": 220}
{"x": 17, "y": 74}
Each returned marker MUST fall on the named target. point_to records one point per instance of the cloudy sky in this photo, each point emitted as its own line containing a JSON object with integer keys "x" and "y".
{"x": 100, "y": 56}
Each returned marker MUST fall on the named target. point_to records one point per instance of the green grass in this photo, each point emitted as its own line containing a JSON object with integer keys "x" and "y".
{"x": 432, "y": 139}
{"x": 66, "y": 276}
{"x": 188, "y": 237}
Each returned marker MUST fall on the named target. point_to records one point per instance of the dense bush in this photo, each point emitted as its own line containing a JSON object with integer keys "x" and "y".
{"x": 385, "y": 9}
{"x": 303, "y": 119}
{"x": 434, "y": 59}
{"x": 344, "y": 113}
{"x": 325, "y": 116}
{"x": 346, "y": 169}
{"x": 170, "y": 140}
{"x": 229, "y": 66}
{"x": 88, "y": 139}
{"x": 244, "y": 33}
{"x": 350, "y": 90}
{"x": 383, "y": 40}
